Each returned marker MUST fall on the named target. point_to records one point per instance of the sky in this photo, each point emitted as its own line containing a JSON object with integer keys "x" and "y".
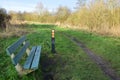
{"x": 29, "y": 5}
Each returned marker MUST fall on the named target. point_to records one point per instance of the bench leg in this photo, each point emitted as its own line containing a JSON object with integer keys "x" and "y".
{"x": 22, "y": 71}
{"x": 28, "y": 51}
{"x": 19, "y": 69}
{"x": 12, "y": 56}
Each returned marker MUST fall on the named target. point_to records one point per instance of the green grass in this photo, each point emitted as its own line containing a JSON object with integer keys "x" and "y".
{"x": 106, "y": 47}
{"x": 71, "y": 63}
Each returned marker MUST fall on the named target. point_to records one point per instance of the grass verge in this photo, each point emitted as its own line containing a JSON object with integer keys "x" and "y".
{"x": 106, "y": 47}
{"x": 71, "y": 63}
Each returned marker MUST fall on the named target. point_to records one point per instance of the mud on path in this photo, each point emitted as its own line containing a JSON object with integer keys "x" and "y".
{"x": 104, "y": 65}
{"x": 49, "y": 64}
{"x": 46, "y": 67}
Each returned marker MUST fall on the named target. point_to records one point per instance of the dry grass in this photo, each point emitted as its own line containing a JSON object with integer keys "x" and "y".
{"x": 14, "y": 30}
{"x": 105, "y": 30}
{"x": 113, "y": 31}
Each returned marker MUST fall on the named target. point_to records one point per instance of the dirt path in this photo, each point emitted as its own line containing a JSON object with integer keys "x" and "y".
{"x": 105, "y": 66}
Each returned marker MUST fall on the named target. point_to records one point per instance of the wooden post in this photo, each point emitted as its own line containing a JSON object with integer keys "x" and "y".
{"x": 53, "y": 42}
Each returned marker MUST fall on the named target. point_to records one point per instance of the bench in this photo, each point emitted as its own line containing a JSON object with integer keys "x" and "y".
{"x": 31, "y": 59}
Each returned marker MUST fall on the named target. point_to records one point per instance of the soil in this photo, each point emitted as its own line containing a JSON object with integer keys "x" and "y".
{"x": 47, "y": 67}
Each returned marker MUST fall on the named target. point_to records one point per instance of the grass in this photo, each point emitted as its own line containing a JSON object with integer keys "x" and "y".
{"x": 71, "y": 63}
{"x": 106, "y": 47}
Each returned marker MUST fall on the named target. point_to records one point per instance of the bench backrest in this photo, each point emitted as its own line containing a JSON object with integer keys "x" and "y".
{"x": 12, "y": 48}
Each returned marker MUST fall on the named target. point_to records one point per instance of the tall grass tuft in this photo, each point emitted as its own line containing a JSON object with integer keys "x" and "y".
{"x": 14, "y": 30}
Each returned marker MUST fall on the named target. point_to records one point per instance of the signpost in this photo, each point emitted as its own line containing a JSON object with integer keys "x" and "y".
{"x": 53, "y": 42}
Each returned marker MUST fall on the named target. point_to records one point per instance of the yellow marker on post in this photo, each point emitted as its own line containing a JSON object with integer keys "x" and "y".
{"x": 53, "y": 33}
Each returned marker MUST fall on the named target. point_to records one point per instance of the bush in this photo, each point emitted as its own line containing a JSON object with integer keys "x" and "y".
{"x": 4, "y": 18}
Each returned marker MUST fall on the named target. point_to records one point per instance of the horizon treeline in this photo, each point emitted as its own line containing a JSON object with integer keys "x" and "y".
{"x": 94, "y": 14}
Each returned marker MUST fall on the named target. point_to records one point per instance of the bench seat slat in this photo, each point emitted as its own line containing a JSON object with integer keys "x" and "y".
{"x": 20, "y": 54}
{"x": 28, "y": 62}
{"x": 11, "y": 49}
{"x": 35, "y": 62}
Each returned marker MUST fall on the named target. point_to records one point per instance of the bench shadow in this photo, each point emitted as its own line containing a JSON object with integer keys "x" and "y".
{"x": 49, "y": 63}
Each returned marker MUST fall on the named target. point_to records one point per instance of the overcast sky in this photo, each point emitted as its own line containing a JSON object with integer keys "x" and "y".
{"x": 29, "y": 5}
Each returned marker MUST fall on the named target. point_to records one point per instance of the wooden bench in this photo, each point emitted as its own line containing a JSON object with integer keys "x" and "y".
{"x": 31, "y": 61}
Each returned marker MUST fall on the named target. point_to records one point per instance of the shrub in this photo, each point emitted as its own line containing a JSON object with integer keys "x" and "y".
{"x": 4, "y": 18}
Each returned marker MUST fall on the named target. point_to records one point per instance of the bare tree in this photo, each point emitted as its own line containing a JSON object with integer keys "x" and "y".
{"x": 81, "y": 3}
{"x": 62, "y": 13}
{"x": 39, "y": 8}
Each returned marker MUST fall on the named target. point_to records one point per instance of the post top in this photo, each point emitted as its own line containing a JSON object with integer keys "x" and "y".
{"x": 53, "y": 31}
